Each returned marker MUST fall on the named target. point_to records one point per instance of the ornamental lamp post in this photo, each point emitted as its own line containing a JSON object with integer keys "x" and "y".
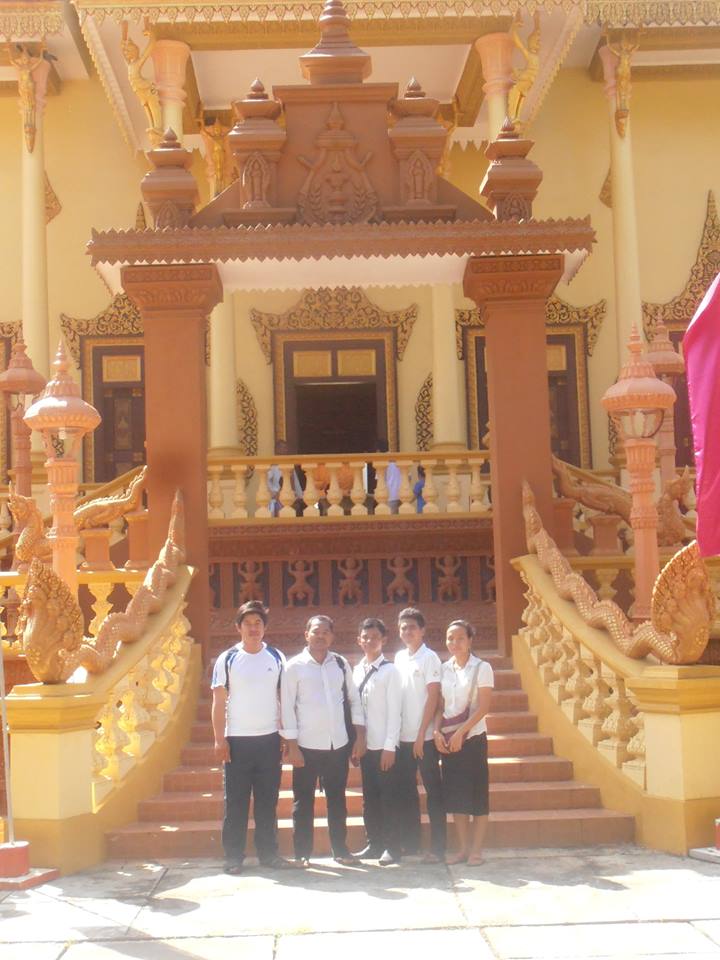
{"x": 669, "y": 366}
{"x": 637, "y": 403}
{"x": 62, "y": 418}
{"x": 20, "y": 379}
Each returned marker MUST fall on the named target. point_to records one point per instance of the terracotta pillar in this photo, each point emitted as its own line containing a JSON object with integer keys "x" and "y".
{"x": 175, "y": 302}
{"x": 512, "y": 292}
{"x": 223, "y": 424}
{"x": 496, "y": 50}
{"x": 449, "y": 420}
{"x": 628, "y": 303}
{"x": 170, "y": 62}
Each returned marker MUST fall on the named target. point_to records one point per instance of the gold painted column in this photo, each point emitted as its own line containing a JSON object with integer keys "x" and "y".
{"x": 33, "y": 75}
{"x": 628, "y": 303}
{"x": 223, "y": 423}
{"x": 170, "y": 62}
{"x": 449, "y": 420}
{"x": 496, "y": 50}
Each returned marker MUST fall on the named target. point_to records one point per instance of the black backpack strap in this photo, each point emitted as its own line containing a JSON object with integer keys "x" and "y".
{"x": 367, "y": 676}
{"x": 233, "y": 652}
{"x": 278, "y": 659}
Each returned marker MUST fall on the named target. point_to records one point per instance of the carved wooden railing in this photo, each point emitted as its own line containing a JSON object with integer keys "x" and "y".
{"x": 336, "y": 486}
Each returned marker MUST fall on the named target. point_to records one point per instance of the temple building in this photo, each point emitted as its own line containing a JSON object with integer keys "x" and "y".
{"x": 356, "y": 280}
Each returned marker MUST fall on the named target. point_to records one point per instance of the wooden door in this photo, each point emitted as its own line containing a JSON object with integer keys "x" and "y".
{"x": 119, "y": 395}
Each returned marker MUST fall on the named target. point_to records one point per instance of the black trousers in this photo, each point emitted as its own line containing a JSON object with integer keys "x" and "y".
{"x": 380, "y": 804}
{"x": 331, "y": 768}
{"x": 255, "y": 767}
{"x": 408, "y": 801}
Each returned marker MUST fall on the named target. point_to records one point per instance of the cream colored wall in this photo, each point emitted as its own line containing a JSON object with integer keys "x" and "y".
{"x": 676, "y": 143}
{"x": 96, "y": 179}
{"x": 258, "y": 375}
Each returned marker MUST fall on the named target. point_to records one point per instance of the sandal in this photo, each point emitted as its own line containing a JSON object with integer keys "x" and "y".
{"x": 456, "y": 858}
{"x": 302, "y": 863}
{"x": 346, "y": 861}
{"x": 277, "y": 863}
{"x": 475, "y": 860}
{"x": 234, "y": 868}
{"x": 431, "y": 858}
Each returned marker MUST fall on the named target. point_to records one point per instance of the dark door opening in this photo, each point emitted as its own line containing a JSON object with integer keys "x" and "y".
{"x": 336, "y": 417}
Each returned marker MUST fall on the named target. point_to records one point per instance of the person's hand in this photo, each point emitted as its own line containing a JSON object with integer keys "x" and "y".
{"x": 294, "y": 755}
{"x": 419, "y": 748}
{"x": 456, "y": 741}
{"x": 387, "y": 760}
{"x": 359, "y": 748}
{"x": 440, "y": 743}
{"x": 222, "y": 751}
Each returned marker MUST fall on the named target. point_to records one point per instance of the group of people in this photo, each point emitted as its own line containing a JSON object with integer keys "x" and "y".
{"x": 393, "y": 718}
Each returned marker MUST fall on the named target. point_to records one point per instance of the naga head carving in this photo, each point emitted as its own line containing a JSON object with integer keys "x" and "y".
{"x": 51, "y": 624}
{"x": 683, "y": 606}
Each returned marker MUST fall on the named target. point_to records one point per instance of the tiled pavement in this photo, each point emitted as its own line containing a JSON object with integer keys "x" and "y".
{"x": 620, "y": 902}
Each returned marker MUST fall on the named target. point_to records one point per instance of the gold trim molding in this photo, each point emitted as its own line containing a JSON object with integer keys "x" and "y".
{"x": 120, "y": 319}
{"x": 558, "y": 314}
{"x": 24, "y": 21}
{"x": 52, "y": 204}
{"x": 424, "y": 415}
{"x": 661, "y": 13}
{"x": 678, "y": 312}
{"x": 246, "y": 419}
{"x": 330, "y": 310}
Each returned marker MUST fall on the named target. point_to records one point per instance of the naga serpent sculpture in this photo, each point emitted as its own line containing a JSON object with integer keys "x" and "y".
{"x": 683, "y": 604}
{"x": 51, "y": 622}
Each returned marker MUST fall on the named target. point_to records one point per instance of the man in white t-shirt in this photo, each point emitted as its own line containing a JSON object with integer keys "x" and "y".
{"x": 246, "y": 722}
{"x": 420, "y": 672}
{"x": 378, "y": 684}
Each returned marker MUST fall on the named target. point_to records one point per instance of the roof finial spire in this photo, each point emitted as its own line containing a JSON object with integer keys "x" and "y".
{"x": 335, "y": 59}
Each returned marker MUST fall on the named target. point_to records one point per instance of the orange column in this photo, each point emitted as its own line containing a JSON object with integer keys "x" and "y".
{"x": 175, "y": 302}
{"x": 512, "y": 293}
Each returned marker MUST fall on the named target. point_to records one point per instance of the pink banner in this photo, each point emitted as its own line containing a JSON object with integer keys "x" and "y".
{"x": 701, "y": 347}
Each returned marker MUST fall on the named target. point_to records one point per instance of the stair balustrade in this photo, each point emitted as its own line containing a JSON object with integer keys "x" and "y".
{"x": 337, "y": 486}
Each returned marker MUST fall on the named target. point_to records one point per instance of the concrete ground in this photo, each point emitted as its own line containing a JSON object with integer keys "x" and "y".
{"x": 619, "y": 902}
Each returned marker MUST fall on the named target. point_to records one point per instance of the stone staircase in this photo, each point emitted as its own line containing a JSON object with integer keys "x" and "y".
{"x": 534, "y": 800}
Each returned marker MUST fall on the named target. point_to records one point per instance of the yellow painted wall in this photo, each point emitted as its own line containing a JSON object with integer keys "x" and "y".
{"x": 96, "y": 179}
{"x": 675, "y": 147}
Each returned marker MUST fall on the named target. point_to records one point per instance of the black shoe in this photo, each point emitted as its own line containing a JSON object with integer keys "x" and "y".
{"x": 368, "y": 853}
{"x": 387, "y": 858}
{"x": 233, "y": 867}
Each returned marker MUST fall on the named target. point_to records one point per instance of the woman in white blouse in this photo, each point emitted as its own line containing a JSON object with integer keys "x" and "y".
{"x": 460, "y": 735}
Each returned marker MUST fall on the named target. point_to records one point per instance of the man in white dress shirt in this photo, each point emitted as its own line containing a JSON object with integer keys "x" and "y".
{"x": 245, "y": 718}
{"x": 378, "y": 683}
{"x": 320, "y": 709}
{"x": 420, "y": 671}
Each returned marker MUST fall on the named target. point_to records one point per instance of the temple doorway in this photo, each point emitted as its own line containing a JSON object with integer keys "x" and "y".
{"x": 336, "y": 417}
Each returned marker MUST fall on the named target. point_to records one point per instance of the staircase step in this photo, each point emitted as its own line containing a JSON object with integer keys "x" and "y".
{"x": 518, "y": 744}
{"x": 526, "y": 828}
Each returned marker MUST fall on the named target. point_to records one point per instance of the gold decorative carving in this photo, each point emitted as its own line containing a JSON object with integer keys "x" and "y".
{"x": 218, "y": 157}
{"x": 683, "y": 603}
{"x": 247, "y": 422}
{"x": 31, "y": 19}
{"x": 424, "y": 415}
{"x": 52, "y": 204}
{"x": 356, "y": 363}
{"x": 144, "y": 89}
{"x": 51, "y": 622}
{"x": 32, "y": 543}
{"x": 120, "y": 318}
{"x": 340, "y": 308}
{"x": 400, "y": 588}
{"x": 349, "y": 588}
{"x": 678, "y": 312}
{"x": 121, "y": 369}
{"x": 26, "y": 64}
{"x": 449, "y": 587}
{"x": 605, "y": 195}
{"x": 103, "y": 510}
{"x": 623, "y": 51}
{"x": 526, "y": 77}
{"x": 629, "y": 13}
{"x": 336, "y": 189}
{"x": 301, "y": 591}
{"x": 140, "y": 218}
{"x": 557, "y": 314}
